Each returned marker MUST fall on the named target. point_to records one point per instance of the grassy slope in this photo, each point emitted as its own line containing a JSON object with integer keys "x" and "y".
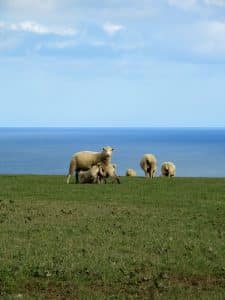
{"x": 143, "y": 239}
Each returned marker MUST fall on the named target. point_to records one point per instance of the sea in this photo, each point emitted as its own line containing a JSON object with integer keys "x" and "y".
{"x": 196, "y": 152}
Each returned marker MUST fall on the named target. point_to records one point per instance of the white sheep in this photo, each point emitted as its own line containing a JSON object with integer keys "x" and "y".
{"x": 92, "y": 175}
{"x": 168, "y": 169}
{"x": 84, "y": 160}
{"x": 131, "y": 172}
{"x": 109, "y": 171}
{"x": 149, "y": 165}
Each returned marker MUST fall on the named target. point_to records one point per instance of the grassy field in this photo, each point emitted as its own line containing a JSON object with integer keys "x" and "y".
{"x": 142, "y": 239}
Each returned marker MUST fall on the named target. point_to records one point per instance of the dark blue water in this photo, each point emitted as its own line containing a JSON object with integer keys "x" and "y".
{"x": 196, "y": 152}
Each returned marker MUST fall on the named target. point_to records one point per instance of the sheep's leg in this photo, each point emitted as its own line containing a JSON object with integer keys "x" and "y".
{"x": 71, "y": 171}
{"x": 103, "y": 180}
{"x": 152, "y": 173}
{"x": 77, "y": 176}
{"x": 68, "y": 179}
{"x": 146, "y": 173}
{"x": 115, "y": 177}
{"x": 100, "y": 179}
{"x": 96, "y": 180}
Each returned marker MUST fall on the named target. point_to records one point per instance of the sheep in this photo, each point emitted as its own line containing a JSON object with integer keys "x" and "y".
{"x": 109, "y": 170}
{"x": 149, "y": 165}
{"x": 92, "y": 175}
{"x": 131, "y": 172}
{"x": 84, "y": 160}
{"x": 168, "y": 169}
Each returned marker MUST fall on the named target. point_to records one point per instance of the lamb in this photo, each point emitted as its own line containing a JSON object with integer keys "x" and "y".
{"x": 168, "y": 169}
{"x": 131, "y": 172}
{"x": 109, "y": 170}
{"x": 93, "y": 175}
{"x": 84, "y": 160}
{"x": 149, "y": 165}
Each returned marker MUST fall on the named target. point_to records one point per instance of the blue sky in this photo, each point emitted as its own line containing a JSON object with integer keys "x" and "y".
{"x": 112, "y": 63}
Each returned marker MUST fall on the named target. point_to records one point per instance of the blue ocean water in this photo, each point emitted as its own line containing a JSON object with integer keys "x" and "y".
{"x": 196, "y": 152}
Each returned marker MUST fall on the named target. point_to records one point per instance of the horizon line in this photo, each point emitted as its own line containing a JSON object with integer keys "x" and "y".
{"x": 112, "y": 127}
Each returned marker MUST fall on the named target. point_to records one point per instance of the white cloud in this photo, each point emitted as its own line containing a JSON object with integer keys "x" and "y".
{"x": 112, "y": 29}
{"x": 57, "y": 45}
{"x": 184, "y": 4}
{"x": 211, "y": 38}
{"x": 216, "y": 29}
{"x": 64, "y": 44}
{"x": 33, "y": 27}
{"x": 215, "y": 2}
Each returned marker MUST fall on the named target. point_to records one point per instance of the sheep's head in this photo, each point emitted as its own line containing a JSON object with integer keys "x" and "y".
{"x": 107, "y": 152}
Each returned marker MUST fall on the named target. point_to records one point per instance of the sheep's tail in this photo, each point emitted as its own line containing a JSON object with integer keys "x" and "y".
{"x": 149, "y": 166}
{"x": 71, "y": 170}
{"x": 148, "y": 163}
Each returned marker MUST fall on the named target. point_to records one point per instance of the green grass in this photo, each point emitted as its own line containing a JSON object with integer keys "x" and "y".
{"x": 142, "y": 239}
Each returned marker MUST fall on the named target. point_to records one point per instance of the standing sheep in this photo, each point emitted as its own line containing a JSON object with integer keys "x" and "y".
{"x": 92, "y": 175}
{"x": 109, "y": 170}
{"x": 83, "y": 161}
{"x": 168, "y": 169}
{"x": 131, "y": 173}
{"x": 149, "y": 165}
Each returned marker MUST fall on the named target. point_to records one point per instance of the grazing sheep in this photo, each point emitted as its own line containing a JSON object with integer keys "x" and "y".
{"x": 131, "y": 172}
{"x": 149, "y": 165}
{"x": 83, "y": 161}
{"x": 168, "y": 169}
{"x": 109, "y": 170}
{"x": 92, "y": 175}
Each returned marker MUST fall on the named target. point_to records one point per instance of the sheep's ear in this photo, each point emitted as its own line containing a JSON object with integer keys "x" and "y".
{"x": 114, "y": 166}
{"x": 113, "y": 149}
{"x": 103, "y": 149}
